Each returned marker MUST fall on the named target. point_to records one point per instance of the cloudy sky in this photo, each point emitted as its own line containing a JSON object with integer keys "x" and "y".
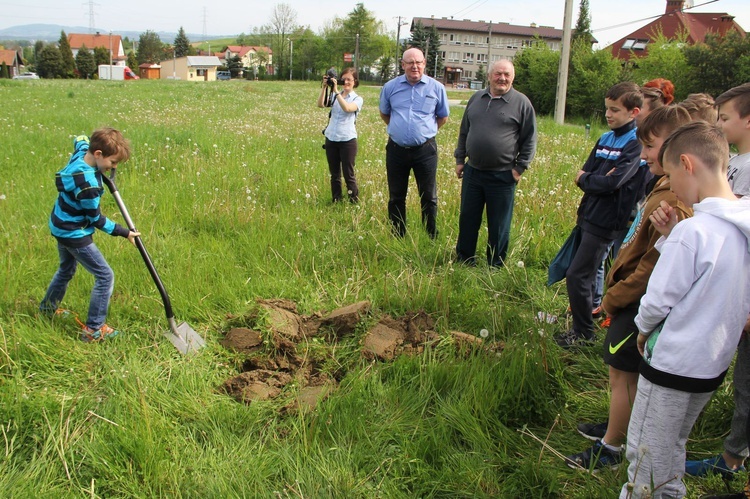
{"x": 230, "y": 17}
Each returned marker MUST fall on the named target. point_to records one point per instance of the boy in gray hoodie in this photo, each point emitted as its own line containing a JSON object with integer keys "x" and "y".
{"x": 691, "y": 318}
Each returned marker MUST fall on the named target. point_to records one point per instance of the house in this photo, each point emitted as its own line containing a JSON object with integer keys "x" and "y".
{"x": 250, "y": 56}
{"x": 190, "y": 68}
{"x": 465, "y": 45}
{"x": 13, "y": 60}
{"x": 674, "y": 23}
{"x": 113, "y": 44}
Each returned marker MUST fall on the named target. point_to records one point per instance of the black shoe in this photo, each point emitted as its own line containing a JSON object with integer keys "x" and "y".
{"x": 595, "y": 458}
{"x": 571, "y": 339}
{"x": 593, "y": 431}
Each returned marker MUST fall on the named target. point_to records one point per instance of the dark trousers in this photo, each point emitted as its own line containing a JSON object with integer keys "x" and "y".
{"x": 399, "y": 161}
{"x": 580, "y": 280}
{"x": 495, "y": 191}
{"x": 341, "y": 156}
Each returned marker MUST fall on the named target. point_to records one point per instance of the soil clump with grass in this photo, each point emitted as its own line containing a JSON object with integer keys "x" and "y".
{"x": 285, "y": 353}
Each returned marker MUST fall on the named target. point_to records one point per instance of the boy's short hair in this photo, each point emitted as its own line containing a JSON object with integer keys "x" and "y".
{"x": 111, "y": 143}
{"x": 628, "y": 92}
{"x": 701, "y": 139}
{"x": 661, "y": 122}
{"x": 701, "y": 107}
{"x": 740, "y": 95}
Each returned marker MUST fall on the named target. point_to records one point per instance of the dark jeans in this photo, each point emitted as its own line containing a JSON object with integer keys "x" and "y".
{"x": 399, "y": 161}
{"x": 104, "y": 282}
{"x": 341, "y": 156}
{"x": 580, "y": 280}
{"x": 496, "y": 191}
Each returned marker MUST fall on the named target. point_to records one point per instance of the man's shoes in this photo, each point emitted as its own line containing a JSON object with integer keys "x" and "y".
{"x": 593, "y": 431}
{"x": 571, "y": 339}
{"x": 105, "y": 332}
{"x": 715, "y": 464}
{"x": 595, "y": 458}
{"x": 597, "y": 312}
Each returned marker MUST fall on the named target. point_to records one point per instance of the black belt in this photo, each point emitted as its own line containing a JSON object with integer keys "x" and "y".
{"x": 431, "y": 139}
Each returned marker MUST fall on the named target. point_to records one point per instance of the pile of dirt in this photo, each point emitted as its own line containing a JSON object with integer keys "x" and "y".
{"x": 284, "y": 347}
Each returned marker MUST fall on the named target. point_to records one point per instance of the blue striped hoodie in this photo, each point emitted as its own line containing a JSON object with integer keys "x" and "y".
{"x": 76, "y": 213}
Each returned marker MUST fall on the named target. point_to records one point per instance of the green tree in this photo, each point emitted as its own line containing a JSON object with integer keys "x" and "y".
{"x": 582, "y": 30}
{"x": 308, "y": 51}
{"x": 38, "y": 46}
{"x": 50, "y": 63}
{"x": 69, "y": 64}
{"x": 481, "y": 74}
{"x": 181, "y": 44}
{"x": 85, "y": 63}
{"x": 234, "y": 65}
{"x": 101, "y": 56}
{"x": 150, "y": 48}
{"x": 536, "y": 76}
{"x": 4, "y": 73}
{"x": 592, "y": 73}
{"x": 717, "y": 64}
{"x": 132, "y": 61}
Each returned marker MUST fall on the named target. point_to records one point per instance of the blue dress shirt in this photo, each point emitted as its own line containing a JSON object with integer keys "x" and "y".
{"x": 414, "y": 109}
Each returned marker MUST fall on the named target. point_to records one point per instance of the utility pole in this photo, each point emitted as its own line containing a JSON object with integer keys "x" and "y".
{"x": 291, "y": 58}
{"x": 356, "y": 54}
{"x": 562, "y": 72}
{"x": 489, "y": 52}
{"x": 92, "y": 25}
{"x": 110, "y": 55}
{"x": 398, "y": 38}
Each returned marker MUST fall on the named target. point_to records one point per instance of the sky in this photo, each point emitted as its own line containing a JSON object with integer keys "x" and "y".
{"x": 231, "y": 17}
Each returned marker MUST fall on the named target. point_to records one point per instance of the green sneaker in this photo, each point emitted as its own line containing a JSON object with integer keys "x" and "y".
{"x": 105, "y": 332}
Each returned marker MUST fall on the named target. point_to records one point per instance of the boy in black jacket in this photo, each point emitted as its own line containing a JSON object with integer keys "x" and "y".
{"x": 613, "y": 181}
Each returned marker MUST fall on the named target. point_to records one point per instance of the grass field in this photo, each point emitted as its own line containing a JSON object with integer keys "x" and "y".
{"x": 229, "y": 187}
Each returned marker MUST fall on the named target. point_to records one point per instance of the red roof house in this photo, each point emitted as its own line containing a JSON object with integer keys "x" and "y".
{"x": 674, "y": 23}
{"x": 111, "y": 42}
{"x": 13, "y": 60}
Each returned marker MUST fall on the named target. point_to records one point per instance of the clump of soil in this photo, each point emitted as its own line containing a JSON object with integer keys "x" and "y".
{"x": 286, "y": 348}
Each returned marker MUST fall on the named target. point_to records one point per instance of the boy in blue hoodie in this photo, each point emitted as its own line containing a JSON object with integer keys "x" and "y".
{"x": 74, "y": 218}
{"x": 693, "y": 312}
{"x": 613, "y": 181}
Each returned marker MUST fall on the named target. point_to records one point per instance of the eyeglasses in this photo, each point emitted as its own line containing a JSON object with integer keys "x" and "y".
{"x": 347, "y": 79}
{"x": 413, "y": 63}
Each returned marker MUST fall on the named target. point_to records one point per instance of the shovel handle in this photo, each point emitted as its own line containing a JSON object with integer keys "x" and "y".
{"x": 110, "y": 183}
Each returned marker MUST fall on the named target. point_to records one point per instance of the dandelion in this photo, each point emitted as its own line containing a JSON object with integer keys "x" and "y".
{"x": 2, "y": 197}
{"x": 307, "y": 195}
{"x": 520, "y": 264}
{"x": 541, "y": 333}
{"x": 484, "y": 333}
{"x": 360, "y": 238}
{"x": 642, "y": 450}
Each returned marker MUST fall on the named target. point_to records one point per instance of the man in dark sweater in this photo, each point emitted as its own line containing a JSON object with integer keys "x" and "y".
{"x": 498, "y": 135}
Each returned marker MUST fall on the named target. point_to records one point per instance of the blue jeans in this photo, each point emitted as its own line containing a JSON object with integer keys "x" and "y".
{"x": 104, "y": 282}
{"x": 495, "y": 191}
{"x": 399, "y": 161}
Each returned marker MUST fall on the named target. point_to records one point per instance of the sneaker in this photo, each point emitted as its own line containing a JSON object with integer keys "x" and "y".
{"x": 597, "y": 312}
{"x": 105, "y": 332}
{"x": 595, "y": 458}
{"x": 570, "y": 339}
{"x": 593, "y": 431}
{"x": 714, "y": 464}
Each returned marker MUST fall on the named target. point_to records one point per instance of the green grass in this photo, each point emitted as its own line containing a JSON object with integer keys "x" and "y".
{"x": 229, "y": 187}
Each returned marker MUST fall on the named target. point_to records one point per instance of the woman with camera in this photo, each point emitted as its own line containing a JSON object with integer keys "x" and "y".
{"x": 341, "y": 134}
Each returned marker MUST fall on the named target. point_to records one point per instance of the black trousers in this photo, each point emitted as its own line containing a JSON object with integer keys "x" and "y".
{"x": 341, "y": 157}
{"x": 399, "y": 162}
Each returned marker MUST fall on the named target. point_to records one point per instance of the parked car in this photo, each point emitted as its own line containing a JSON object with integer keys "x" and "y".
{"x": 27, "y": 76}
{"x": 223, "y": 75}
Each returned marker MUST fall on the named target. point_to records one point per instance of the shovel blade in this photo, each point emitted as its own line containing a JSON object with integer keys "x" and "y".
{"x": 184, "y": 338}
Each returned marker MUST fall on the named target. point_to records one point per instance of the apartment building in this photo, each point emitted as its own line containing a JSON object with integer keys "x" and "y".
{"x": 466, "y": 45}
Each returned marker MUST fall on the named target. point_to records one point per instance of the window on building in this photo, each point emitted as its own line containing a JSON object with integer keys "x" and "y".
{"x": 468, "y": 58}
{"x": 469, "y": 39}
{"x": 481, "y": 58}
{"x": 454, "y": 57}
{"x": 640, "y": 45}
{"x": 628, "y": 44}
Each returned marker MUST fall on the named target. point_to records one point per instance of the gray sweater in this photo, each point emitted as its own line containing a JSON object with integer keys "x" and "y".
{"x": 497, "y": 133}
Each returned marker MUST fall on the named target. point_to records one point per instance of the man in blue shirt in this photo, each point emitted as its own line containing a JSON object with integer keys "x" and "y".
{"x": 414, "y": 106}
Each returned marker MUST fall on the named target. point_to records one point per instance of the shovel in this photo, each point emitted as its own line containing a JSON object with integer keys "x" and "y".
{"x": 183, "y": 337}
